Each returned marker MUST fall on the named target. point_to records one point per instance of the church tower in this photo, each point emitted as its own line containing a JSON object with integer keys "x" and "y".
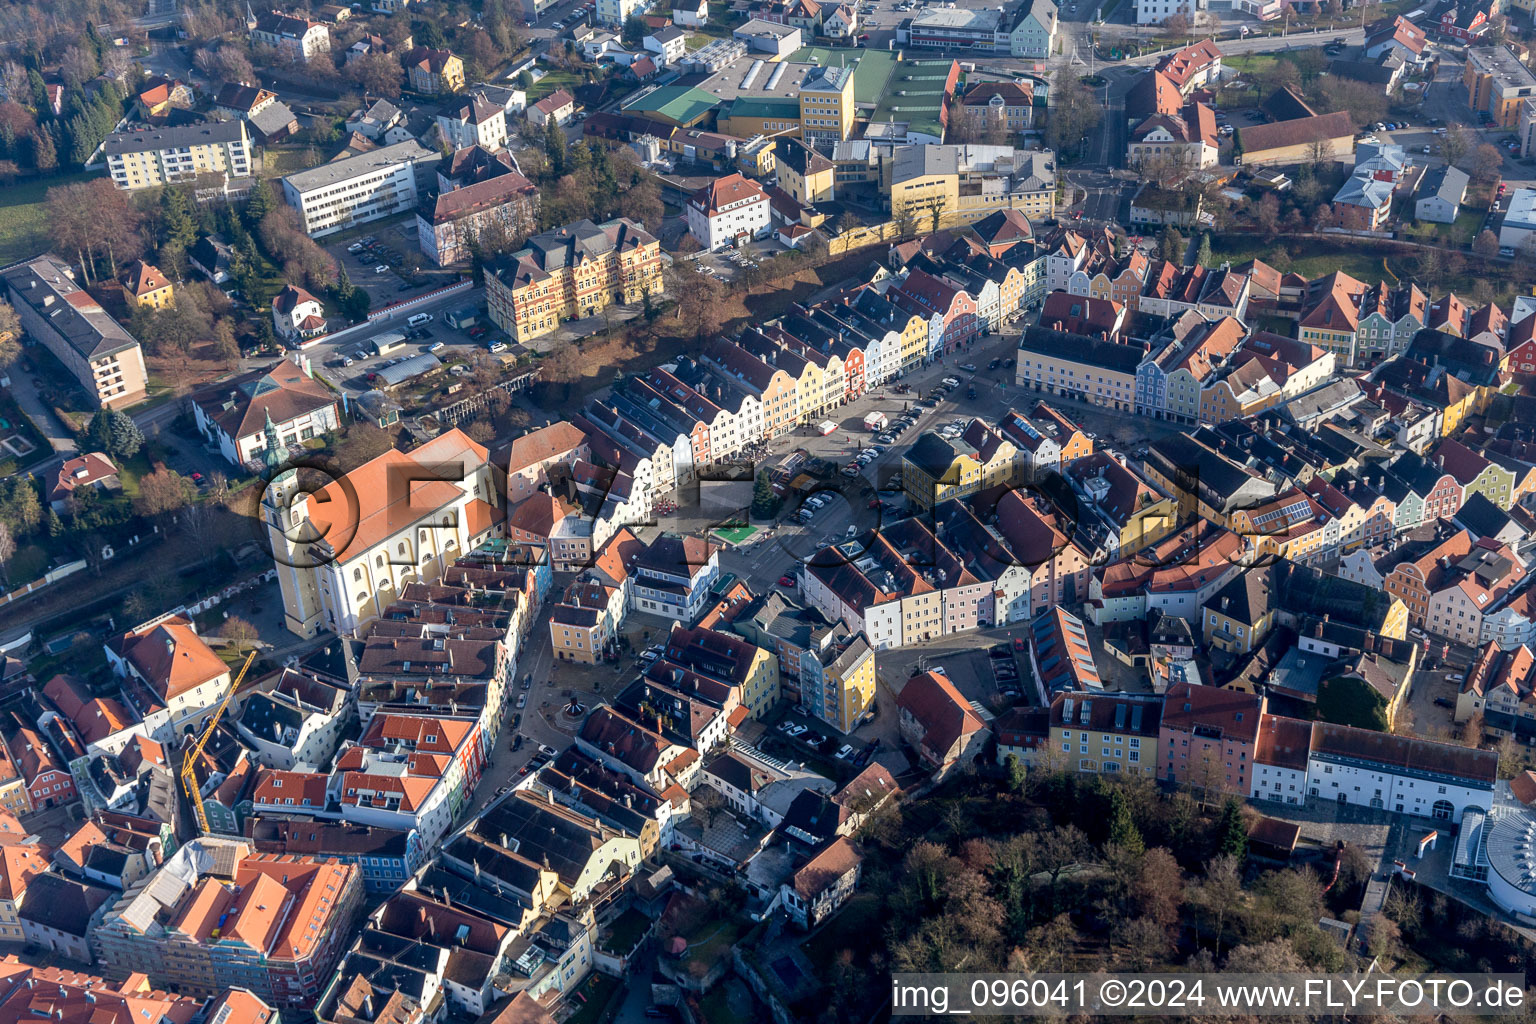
{"x": 284, "y": 510}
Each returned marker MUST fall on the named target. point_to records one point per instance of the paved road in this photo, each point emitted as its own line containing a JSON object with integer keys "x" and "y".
{"x": 538, "y": 722}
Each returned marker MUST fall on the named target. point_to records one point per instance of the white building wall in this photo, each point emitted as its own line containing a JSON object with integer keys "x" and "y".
{"x": 1275, "y": 784}
{"x": 1379, "y": 786}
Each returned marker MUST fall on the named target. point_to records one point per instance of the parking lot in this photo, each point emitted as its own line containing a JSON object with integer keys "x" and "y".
{"x": 726, "y": 264}
{"x": 380, "y": 261}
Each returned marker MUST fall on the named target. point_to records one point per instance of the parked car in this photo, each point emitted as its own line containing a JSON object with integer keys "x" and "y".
{"x": 381, "y": 269}
{"x": 522, "y": 701}
{"x": 436, "y": 346}
{"x": 1444, "y": 702}
{"x": 845, "y": 750}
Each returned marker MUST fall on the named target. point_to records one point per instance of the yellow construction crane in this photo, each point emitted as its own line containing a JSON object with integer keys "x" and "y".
{"x": 188, "y": 775}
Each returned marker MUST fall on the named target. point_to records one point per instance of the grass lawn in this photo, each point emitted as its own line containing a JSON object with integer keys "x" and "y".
{"x": 598, "y": 991}
{"x": 23, "y": 219}
{"x": 1362, "y": 265}
{"x": 130, "y": 470}
{"x": 861, "y": 911}
{"x": 1463, "y": 230}
{"x": 625, "y": 931}
{"x": 278, "y": 162}
{"x": 552, "y": 81}
{"x": 713, "y": 943}
{"x": 728, "y": 1002}
{"x": 1251, "y": 63}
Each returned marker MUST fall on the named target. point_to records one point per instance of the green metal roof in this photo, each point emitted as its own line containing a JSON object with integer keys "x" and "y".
{"x": 922, "y": 82}
{"x": 764, "y": 106}
{"x": 871, "y": 68}
{"x": 680, "y": 104}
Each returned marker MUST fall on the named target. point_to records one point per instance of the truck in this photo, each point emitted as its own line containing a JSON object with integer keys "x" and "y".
{"x": 876, "y": 421}
{"x": 460, "y": 319}
{"x": 390, "y": 341}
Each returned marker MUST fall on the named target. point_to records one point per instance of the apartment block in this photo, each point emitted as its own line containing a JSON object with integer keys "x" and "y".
{"x": 162, "y": 156}
{"x": 574, "y": 271}
{"x": 362, "y": 188}
{"x": 1498, "y": 83}
{"x": 218, "y": 914}
{"x": 57, "y": 312}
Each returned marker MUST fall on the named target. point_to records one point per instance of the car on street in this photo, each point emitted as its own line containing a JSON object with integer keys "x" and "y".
{"x": 968, "y": 368}
{"x": 786, "y": 580}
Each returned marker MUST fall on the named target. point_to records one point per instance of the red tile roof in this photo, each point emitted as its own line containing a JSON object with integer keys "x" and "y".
{"x": 945, "y": 715}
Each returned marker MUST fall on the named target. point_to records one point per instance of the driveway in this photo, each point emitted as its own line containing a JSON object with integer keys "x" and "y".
{"x": 24, "y": 388}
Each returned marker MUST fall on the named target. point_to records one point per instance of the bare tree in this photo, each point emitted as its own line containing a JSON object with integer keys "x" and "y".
{"x": 1455, "y": 143}
{"x": 163, "y": 493}
{"x": 14, "y": 82}
{"x": 1158, "y": 890}
{"x": 1266, "y": 214}
{"x": 7, "y": 550}
{"x": 116, "y": 64}
{"x": 10, "y": 334}
{"x": 1485, "y": 164}
{"x": 1221, "y": 891}
{"x": 239, "y": 632}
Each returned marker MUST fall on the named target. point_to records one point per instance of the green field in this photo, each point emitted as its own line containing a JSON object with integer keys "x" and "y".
{"x": 23, "y": 219}
{"x": 1360, "y": 265}
{"x": 1464, "y": 230}
{"x": 552, "y": 81}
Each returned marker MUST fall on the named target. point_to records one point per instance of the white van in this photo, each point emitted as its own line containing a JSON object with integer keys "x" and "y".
{"x": 419, "y": 319}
